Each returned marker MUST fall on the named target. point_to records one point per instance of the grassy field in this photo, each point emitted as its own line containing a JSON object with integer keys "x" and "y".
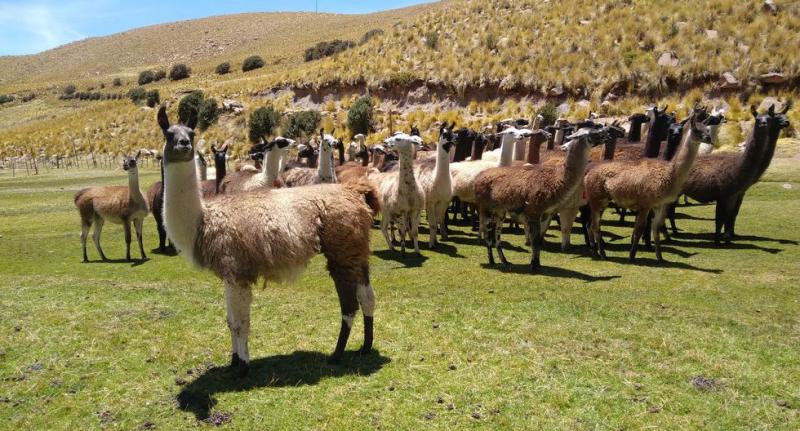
{"x": 709, "y": 340}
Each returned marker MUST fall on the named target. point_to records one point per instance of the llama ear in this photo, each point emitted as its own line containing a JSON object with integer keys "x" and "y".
{"x": 771, "y": 110}
{"x": 138, "y": 153}
{"x": 192, "y": 122}
{"x": 163, "y": 120}
{"x": 753, "y": 111}
{"x": 213, "y": 149}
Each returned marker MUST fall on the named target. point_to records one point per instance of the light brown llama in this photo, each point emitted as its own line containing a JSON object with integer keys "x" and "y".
{"x": 116, "y": 204}
{"x": 269, "y": 234}
{"x": 644, "y": 185}
{"x": 248, "y": 180}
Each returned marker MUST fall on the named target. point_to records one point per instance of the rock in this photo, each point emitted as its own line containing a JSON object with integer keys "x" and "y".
{"x": 234, "y": 106}
{"x": 769, "y": 101}
{"x": 611, "y": 97}
{"x": 668, "y": 59}
{"x": 681, "y": 24}
{"x": 772, "y": 78}
{"x": 744, "y": 49}
{"x": 729, "y": 82}
{"x": 585, "y": 21}
{"x": 711, "y": 34}
{"x": 583, "y": 103}
{"x": 769, "y": 6}
{"x": 556, "y": 91}
{"x": 504, "y": 42}
{"x": 562, "y": 109}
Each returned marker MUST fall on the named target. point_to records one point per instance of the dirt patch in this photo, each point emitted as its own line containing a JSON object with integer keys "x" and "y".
{"x": 705, "y": 384}
{"x": 218, "y": 419}
{"x": 106, "y": 417}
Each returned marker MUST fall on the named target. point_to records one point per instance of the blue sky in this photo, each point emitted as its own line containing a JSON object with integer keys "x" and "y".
{"x": 28, "y": 27}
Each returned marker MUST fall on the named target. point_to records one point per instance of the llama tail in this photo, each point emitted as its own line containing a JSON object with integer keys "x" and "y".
{"x": 362, "y": 186}
{"x": 79, "y": 194}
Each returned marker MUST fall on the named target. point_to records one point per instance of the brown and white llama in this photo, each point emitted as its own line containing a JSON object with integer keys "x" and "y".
{"x": 115, "y": 204}
{"x": 644, "y": 185}
{"x": 245, "y": 181}
{"x": 322, "y": 174}
{"x": 270, "y": 234}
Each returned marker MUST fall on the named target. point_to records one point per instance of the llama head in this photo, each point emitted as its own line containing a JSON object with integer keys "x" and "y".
{"x": 179, "y": 138}
{"x": 699, "y": 129}
{"x": 586, "y": 138}
{"x": 446, "y": 136}
{"x": 414, "y": 131}
{"x": 403, "y": 143}
{"x": 639, "y": 118}
{"x": 306, "y": 151}
{"x": 129, "y": 163}
{"x": 221, "y": 155}
{"x": 327, "y": 142}
{"x": 540, "y": 136}
{"x": 779, "y": 120}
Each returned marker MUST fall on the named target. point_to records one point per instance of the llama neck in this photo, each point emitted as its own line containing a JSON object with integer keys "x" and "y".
{"x": 325, "y": 169}
{"x": 635, "y": 133}
{"x": 202, "y": 172}
{"x": 608, "y": 149}
{"x": 533, "y": 151}
{"x": 220, "y": 174}
{"x": 575, "y": 164}
{"x": 407, "y": 170}
{"x": 713, "y": 130}
{"x": 442, "y": 162}
{"x": 134, "y": 192}
{"x": 519, "y": 150}
{"x": 768, "y": 152}
{"x": 341, "y": 154}
{"x": 506, "y": 151}
{"x": 653, "y": 145}
{"x": 272, "y": 162}
{"x": 682, "y": 162}
{"x": 183, "y": 208}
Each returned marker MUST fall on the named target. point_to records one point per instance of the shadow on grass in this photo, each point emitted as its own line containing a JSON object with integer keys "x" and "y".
{"x": 410, "y": 260}
{"x": 296, "y": 369}
{"x": 548, "y": 271}
{"x": 708, "y": 241}
{"x": 165, "y": 252}
{"x": 653, "y": 263}
{"x": 133, "y": 262}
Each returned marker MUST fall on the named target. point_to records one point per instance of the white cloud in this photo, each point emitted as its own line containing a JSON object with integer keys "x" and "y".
{"x": 34, "y": 27}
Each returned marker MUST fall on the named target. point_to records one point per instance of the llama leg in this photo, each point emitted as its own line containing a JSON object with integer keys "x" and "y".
{"x": 730, "y": 226}
{"x": 498, "y": 231}
{"x": 671, "y": 215}
{"x": 567, "y": 220}
{"x": 648, "y": 239}
{"x": 414, "y": 232}
{"x": 585, "y": 218}
{"x": 385, "y": 231}
{"x": 346, "y": 287}
{"x": 594, "y": 236}
{"x": 719, "y": 218}
{"x": 85, "y": 225}
{"x": 537, "y": 238}
{"x": 126, "y": 224}
{"x": 658, "y": 223}
{"x": 441, "y": 220}
{"x": 366, "y": 298}
{"x": 432, "y": 225}
{"x": 238, "y": 299}
{"x": 162, "y": 235}
{"x": 137, "y": 224}
{"x": 489, "y": 237}
{"x": 638, "y": 229}
{"x": 98, "y": 230}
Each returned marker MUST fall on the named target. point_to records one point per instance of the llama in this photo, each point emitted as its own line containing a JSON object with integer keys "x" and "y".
{"x": 243, "y": 237}
{"x": 535, "y": 192}
{"x": 726, "y": 177}
{"x": 323, "y": 174}
{"x": 116, "y": 204}
{"x": 245, "y": 181}
{"x": 401, "y": 197}
{"x": 635, "y": 131}
{"x": 715, "y": 121}
{"x": 436, "y": 185}
{"x": 649, "y": 184}
{"x": 155, "y": 201}
{"x": 356, "y": 149}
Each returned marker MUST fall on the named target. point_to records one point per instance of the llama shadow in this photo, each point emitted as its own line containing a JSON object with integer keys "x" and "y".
{"x": 411, "y": 259}
{"x": 653, "y": 263}
{"x": 444, "y": 248}
{"x": 300, "y": 368}
{"x": 166, "y": 252}
{"x": 133, "y": 262}
{"x": 548, "y": 271}
{"x": 666, "y": 249}
{"x": 473, "y": 240}
{"x": 709, "y": 237}
{"x": 706, "y": 241}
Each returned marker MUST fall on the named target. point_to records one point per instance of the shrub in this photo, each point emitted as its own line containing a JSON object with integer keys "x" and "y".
{"x": 549, "y": 112}
{"x": 159, "y": 74}
{"x": 137, "y": 95}
{"x": 432, "y": 40}
{"x": 491, "y": 41}
{"x": 117, "y": 82}
{"x": 326, "y": 49}
{"x": 223, "y": 68}
{"x": 6, "y": 98}
{"x": 262, "y": 123}
{"x": 179, "y": 71}
{"x": 189, "y": 106}
{"x": 69, "y": 89}
{"x": 375, "y": 32}
{"x": 146, "y": 77}
{"x": 152, "y": 98}
{"x": 359, "y": 117}
{"x": 252, "y": 63}
{"x": 302, "y": 123}
{"x": 208, "y": 114}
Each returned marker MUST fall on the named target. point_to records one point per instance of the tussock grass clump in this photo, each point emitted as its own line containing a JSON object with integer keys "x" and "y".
{"x": 179, "y": 71}
{"x": 223, "y": 68}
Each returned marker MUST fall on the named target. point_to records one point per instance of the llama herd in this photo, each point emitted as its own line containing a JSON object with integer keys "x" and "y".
{"x": 270, "y": 217}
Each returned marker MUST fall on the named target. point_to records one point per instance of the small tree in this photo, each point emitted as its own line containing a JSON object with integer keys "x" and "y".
{"x": 252, "y": 63}
{"x": 146, "y": 77}
{"x": 117, "y": 82}
{"x": 152, "y": 98}
{"x": 360, "y": 115}
{"x": 189, "y": 105}
{"x": 179, "y": 71}
{"x": 262, "y": 123}
{"x": 302, "y": 123}
{"x": 70, "y": 89}
{"x": 209, "y": 112}
{"x": 549, "y": 112}
{"x": 223, "y": 68}
{"x": 137, "y": 94}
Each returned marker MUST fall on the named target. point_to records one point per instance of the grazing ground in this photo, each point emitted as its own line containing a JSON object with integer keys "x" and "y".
{"x": 710, "y": 340}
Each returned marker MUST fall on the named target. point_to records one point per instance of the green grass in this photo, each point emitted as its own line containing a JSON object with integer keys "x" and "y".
{"x": 585, "y": 345}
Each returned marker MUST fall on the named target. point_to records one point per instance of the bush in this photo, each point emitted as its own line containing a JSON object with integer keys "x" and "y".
{"x": 179, "y": 71}
{"x": 117, "y": 82}
{"x": 432, "y": 40}
{"x": 359, "y": 117}
{"x": 208, "y": 114}
{"x": 326, "y": 49}
{"x": 223, "y": 68}
{"x": 375, "y": 32}
{"x": 252, "y": 63}
{"x": 69, "y": 89}
{"x": 189, "y": 106}
{"x": 6, "y": 98}
{"x": 491, "y": 41}
{"x": 159, "y": 74}
{"x": 262, "y": 123}
{"x": 550, "y": 114}
{"x": 152, "y": 98}
{"x": 137, "y": 95}
{"x": 302, "y": 123}
{"x": 146, "y": 77}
